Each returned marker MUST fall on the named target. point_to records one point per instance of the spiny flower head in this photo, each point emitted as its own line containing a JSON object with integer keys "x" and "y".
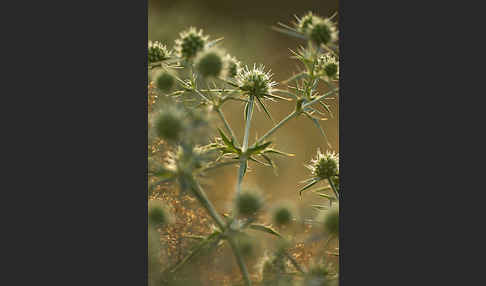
{"x": 306, "y": 21}
{"x": 325, "y": 166}
{"x": 158, "y": 214}
{"x": 210, "y": 62}
{"x": 157, "y": 52}
{"x": 255, "y": 82}
{"x": 169, "y": 123}
{"x": 328, "y": 66}
{"x": 233, "y": 66}
{"x": 164, "y": 81}
{"x": 248, "y": 202}
{"x": 282, "y": 214}
{"x": 322, "y": 31}
{"x": 330, "y": 219}
{"x": 191, "y": 42}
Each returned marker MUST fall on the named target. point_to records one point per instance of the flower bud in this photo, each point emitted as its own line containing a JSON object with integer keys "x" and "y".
{"x": 248, "y": 203}
{"x": 210, "y": 63}
{"x": 190, "y": 43}
{"x": 306, "y": 21}
{"x": 233, "y": 66}
{"x": 325, "y": 165}
{"x": 330, "y": 220}
{"x": 158, "y": 214}
{"x": 157, "y": 52}
{"x": 164, "y": 81}
{"x": 169, "y": 124}
{"x": 322, "y": 31}
{"x": 283, "y": 214}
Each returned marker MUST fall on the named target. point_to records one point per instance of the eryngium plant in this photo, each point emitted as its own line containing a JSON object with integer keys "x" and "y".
{"x": 190, "y": 87}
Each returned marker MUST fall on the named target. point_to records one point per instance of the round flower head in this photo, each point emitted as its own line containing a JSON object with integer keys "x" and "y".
{"x": 255, "y": 82}
{"x": 233, "y": 66}
{"x": 190, "y": 43}
{"x": 282, "y": 214}
{"x": 158, "y": 214}
{"x": 306, "y": 21}
{"x": 164, "y": 81}
{"x": 322, "y": 31}
{"x": 325, "y": 165}
{"x": 210, "y": 63}
{"x": 248, "y": 203}
{"x": 330, "y": 219}
{"x": 169, "y": 123}
{"x": 157, "y": 52}
{"x": 328, "y": 66}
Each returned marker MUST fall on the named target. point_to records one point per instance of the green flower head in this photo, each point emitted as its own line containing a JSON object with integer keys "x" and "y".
{"x": 325, "y": 166}
{"x": 306, "y": 21}
{"x": 233, "y": 66}
{"x": 158, "y": 214}
{"x": 157, "y": 52}
{"x": 210, "y": 63}
{"x": 164, "y": 81}
{"x": 190, "y": 43}
{"x": 169, "y": 123}
{"x": 328, "y": 66}
{"x": 323, "y": 31}
{"x": 248, "y": 203}
{"x": 282, "y": 214}
{"x": 255, "y": 82}
{"x": 330, "y": 219}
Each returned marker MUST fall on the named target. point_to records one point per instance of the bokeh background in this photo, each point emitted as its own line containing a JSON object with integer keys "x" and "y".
{"x": 246, "y": 28}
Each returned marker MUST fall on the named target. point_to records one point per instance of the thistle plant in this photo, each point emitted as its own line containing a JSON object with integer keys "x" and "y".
{"x": 192, "y": 86}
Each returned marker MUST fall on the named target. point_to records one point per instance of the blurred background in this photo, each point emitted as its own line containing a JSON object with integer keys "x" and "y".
{"x": 246, "y": 28}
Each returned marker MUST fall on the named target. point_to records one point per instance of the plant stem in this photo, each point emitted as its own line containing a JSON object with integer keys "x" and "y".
{"x": 221, "y": 115}
{"x": 244, "y": 148}
{"x": 248, "y": 123}
{"x": 239, "y": 259}
{"x": 203, "y": 199}
{"x": 280, "y": 124}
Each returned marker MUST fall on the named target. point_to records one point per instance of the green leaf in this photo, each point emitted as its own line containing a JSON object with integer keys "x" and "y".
{"x": 258, "y": 148}
{"x": 264, "y": 228}
{"x": 225, "y": 139}
{"x": 274, "y": 151}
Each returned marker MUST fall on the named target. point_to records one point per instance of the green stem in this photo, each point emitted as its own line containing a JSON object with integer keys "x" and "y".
{"x": 240, "y": 261}
{"x": 244, "y": 148}
{"x": 248, "y": 123}
{"x": 221, "y": 115}
{"x": 203, "y": 199}
{"x": 280, "y": 124}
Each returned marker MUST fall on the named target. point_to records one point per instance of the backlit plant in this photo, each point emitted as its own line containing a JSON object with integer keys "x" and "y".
{"x": 190, "y": 88}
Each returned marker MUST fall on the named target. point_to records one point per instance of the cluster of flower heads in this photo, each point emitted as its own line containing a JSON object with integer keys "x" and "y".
{"x": 319, "y": 30}
{"x": 193, "y": 48}
{"x": 157, "y": 52}
{"x": 255, "y": 82}
{"x": 325, "y": 165}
